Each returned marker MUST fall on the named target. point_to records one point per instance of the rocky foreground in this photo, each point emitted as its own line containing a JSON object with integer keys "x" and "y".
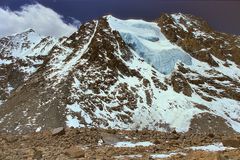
{"x": 102, "y": 144}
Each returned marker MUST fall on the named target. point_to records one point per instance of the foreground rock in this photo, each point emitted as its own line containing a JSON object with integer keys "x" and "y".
{"x": 58, "y": 131}
{"x": 75, "y": 152}
{"x": 116, "y": 144}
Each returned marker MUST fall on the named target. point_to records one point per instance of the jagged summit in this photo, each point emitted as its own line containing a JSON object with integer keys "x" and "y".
{"x": 28, "y": 30}
{"x": 196, "y": 37}
{"x": 24, "y": 32}
{"x": 130, "y": 74}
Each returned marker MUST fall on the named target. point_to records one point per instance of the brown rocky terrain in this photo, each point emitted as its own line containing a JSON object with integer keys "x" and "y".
{"x": 99, "y": 144}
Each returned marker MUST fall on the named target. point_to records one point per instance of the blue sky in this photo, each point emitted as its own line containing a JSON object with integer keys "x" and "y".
{"x": 221, "y": 15}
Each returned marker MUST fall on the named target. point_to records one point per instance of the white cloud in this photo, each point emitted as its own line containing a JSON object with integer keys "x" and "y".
{"x": 43, "y": 20}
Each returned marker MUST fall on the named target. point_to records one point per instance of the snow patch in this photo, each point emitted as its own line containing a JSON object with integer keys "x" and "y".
{"x": 167, "y": 155}
{"x": 128, "y": 156}
{"x": 177, "y": 18}
{"x": 38, "y": 129}
{"x": 4, "y": 61}
{"x": 212, "y": 148}
{"x": 74, "y": 107}
{"x": 131, "y": 144}
{"x": 77, "y": 109}
{"x": 73, "y": 122}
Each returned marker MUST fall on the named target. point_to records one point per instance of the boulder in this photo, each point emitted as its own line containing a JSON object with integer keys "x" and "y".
{"x": 231, "y": 142}
{"x": 58, "y": 131}
{"x": 75, "y": 152}
{"x": 109, "y": 138}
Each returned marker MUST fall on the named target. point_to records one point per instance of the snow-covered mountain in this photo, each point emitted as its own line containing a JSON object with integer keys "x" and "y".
{"x": 20, "y": 56}
{"x": 172, "y": 74}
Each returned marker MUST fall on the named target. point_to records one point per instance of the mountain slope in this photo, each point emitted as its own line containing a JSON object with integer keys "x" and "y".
{"x": 127, "y": 74}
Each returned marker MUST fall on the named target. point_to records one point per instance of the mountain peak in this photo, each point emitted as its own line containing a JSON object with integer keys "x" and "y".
{"x": 108, "y": 16}
{"x": 197, "y": 38}
{"x": 29, "y": 30}
{"x": 26, "y": 32}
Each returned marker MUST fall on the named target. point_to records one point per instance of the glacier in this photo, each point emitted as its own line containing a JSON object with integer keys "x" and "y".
{"x": 153, "y": 47}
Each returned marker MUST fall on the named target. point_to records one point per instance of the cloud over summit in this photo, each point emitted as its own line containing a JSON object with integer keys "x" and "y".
{"x": 43, "y": 20}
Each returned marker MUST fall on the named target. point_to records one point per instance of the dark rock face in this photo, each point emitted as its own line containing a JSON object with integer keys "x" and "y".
{"x": 180, "y": 84}
{"x": 208, "y": 123}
